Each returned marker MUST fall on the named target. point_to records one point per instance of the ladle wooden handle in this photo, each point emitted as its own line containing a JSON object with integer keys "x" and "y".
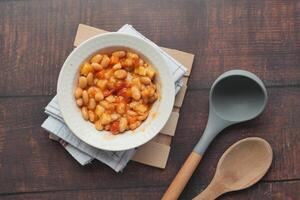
{"x": 182, "y": 177}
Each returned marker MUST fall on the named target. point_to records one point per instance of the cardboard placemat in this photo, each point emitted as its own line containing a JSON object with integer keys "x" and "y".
{"x": 156, "y": 152}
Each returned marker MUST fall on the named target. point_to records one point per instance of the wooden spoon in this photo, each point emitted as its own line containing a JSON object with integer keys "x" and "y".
{"x": 242, "y": 165}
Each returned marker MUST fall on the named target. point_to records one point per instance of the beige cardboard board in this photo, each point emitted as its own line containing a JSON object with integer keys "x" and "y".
{"x": 185, "y": 80}
{"x": 145, "y": 154}
{"x": 85, "y": 32}
{"x": 170, "y": 127}
{"x": 162, "y": 139}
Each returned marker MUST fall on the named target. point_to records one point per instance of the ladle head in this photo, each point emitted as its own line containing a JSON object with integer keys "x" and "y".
{"x": 237, "y": 96}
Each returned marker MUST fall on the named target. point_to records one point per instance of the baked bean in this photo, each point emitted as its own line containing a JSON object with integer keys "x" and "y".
{"x": 145, "y": 80}
{"x": 111, "y": 83}
{"x": 107, "y": 105}
{"x": 140, "y": 71}
{"x": 85, "y": 97}
{"x": 102, "y": 84}
{"x": 133, "y": 104}
{"x": 84, "y": 113}
{"x": 120, "y": 74}
{"x": 98, "y": 125}
{"x": 115, "y": 116}
{"x": 114, "y": 60}
{"x": 153, "y": 98}
{"x": 117, "y": 66}
{"x": 96, "y": 66}
{"x": 151, "y": 91}
{"x": 148, "y": 92}
{"x": 82, "y": 82}
{"x": 128, "y": 62}
{"x": 123, "y": 124}
{"x": 78, "y": 93}
{"x": 92, "y": 116}
{"x": 119, "y": 54}
{"x": 120, "y": 108}
{"x": 110, "y": 98}
{"x": 137, "y": 82}
{"x": 99, "y": 96}
{"x": 90, "y": 79}
{"x": 131, "y": 113}
{"x": 140, "y": 108}
{"x": 150, "y": 72}
{"x": 135, "y": 125}
{"x": 134, "y": 56}
{"x": 142, "y": 117}
{"x": 79, "y": 102}
{"x": 92, "y": 104}
{"x": 105, "y": 61}
{"x": 99, "y": 110}
{"x": 105, "y": 119}
{"x": 136, "y": 94}
{"x": 86, "y": 68}
{"x": 131, "y": 119}
{"x": 91, "y": 92}
{"x": 96, "y": 58}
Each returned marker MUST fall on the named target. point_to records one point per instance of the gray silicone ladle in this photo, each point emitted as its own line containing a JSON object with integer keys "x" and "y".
{"x": 236, "y": 96}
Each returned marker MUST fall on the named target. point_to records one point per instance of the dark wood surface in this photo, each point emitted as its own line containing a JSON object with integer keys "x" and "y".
{"x": 262, "y": 36}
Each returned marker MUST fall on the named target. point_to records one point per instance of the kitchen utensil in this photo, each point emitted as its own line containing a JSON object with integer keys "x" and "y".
{"x": 242, "y": 165}
{"x": 236, "y": 96}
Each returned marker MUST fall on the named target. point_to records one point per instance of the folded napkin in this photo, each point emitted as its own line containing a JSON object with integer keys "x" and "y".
{"x": 85, "y": 153}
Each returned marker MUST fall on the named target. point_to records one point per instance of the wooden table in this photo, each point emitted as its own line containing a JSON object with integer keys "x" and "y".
{"x": 36, "y": 36}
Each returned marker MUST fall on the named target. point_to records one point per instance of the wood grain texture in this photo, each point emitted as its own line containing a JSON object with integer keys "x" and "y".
{"x": 260, "y": 36}
{"x": 30, "y": 161}
{"x": 274, "y": 191}
{"x": 36, "y": 36}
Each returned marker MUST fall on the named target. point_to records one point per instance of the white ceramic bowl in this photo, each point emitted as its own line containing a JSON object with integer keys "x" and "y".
{"x": 86, "y": 131}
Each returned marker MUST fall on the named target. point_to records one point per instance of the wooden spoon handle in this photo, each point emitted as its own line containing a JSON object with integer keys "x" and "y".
{"x": 182, "y": 177}
{"x": 211, "y": 192}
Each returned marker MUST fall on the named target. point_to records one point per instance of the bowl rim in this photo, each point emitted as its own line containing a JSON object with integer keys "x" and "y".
{"x": 168, "y": 86}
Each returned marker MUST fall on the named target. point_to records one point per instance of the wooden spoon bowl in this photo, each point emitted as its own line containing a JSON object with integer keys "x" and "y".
{"x": 242, "y": 165}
